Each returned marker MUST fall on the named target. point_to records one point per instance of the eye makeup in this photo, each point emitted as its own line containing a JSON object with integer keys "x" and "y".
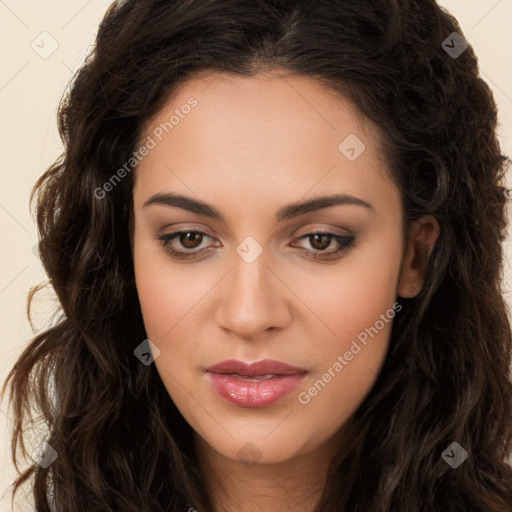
{"x": 171, "y": 241}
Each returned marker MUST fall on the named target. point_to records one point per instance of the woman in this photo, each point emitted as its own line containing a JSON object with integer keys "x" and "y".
{"x": 275, "y": 234}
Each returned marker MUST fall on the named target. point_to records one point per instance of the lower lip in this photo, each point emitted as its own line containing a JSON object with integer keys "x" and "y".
{"x": 245, "y": 393}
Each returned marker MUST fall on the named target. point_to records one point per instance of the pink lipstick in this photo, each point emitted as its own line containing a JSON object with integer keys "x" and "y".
{"x": 256, "y": 384}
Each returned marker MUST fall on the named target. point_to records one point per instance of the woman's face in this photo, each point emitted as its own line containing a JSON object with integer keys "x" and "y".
{"x": 241, "y": 165}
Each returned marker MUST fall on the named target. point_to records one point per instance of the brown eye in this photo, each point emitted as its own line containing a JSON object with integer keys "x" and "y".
{"x": 320, "y": 241}
{"x": 186, "y": 244}
{"x": 189, "y": 239}
{"x": 182, "y": 243}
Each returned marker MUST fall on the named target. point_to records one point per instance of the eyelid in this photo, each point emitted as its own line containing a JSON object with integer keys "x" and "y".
{"x": 321, "y": 228}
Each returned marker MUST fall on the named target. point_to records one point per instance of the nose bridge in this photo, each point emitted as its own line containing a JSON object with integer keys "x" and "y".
{"x": 249, "y": 278}
{"x": 252, "y": 299}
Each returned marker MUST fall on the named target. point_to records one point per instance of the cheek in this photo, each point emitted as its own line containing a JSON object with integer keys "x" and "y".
{"x": 167, "y": 292}
{"x": 166, "y": 299}
{"x": 350, "y": 297}
{"x": 356, "y": 304}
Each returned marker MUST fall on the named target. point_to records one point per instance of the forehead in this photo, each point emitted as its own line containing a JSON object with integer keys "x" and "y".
{"x": 266, "y": 103}
{"x": 266, "y": 132}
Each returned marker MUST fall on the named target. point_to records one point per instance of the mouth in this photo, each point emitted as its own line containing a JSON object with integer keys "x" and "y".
{"x": 257, "y": 384}
{"x": 251, "y": 379}
{"x": 266, "y": 368}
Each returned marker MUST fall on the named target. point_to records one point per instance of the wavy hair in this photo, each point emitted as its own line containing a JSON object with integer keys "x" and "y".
{"x": 121, "y": 442}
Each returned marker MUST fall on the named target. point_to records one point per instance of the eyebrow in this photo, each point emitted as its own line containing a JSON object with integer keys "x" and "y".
{"x": 287, "y": 212}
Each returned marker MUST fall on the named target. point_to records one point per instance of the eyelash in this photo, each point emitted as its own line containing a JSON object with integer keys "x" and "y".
{"x": 346, "y": 242}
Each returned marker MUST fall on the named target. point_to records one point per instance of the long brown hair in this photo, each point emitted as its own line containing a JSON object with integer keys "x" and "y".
{"x": 122, "y": 444}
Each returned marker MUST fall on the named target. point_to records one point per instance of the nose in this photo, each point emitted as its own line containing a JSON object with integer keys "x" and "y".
{"x": 254, "y": 299}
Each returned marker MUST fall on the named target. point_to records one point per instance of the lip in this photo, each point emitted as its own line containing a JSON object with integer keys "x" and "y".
{"x": 250, "y": 384}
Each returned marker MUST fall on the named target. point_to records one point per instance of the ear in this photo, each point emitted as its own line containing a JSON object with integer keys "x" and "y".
{"x": 423, "y": 234}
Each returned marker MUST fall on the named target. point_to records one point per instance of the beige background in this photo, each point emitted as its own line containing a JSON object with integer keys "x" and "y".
{"x": 31, "y": 84}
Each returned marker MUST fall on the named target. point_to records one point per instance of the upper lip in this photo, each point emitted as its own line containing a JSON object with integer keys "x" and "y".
{"x": 255, "y": 369}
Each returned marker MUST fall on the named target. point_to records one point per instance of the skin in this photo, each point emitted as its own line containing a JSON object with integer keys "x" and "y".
{"x": 250, "y": 147}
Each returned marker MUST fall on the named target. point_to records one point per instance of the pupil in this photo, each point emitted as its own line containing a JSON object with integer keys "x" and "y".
{"x": 189, "y": 239}
{"x": 317, "y": 237}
